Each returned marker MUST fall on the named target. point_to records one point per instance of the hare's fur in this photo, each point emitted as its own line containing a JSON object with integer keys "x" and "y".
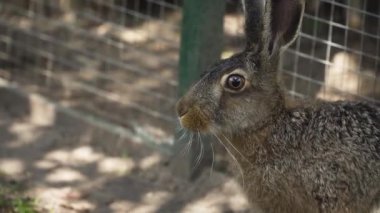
{"x": 320, "y": 158}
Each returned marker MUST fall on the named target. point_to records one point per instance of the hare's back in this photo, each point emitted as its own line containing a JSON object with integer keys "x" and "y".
{"x": 342, "y": 131}
{"x": 336, "y": 147}
{"x": 352, "y": 125}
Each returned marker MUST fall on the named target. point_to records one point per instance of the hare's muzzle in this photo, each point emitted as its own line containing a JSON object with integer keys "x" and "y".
{"x": 191, "y": 117}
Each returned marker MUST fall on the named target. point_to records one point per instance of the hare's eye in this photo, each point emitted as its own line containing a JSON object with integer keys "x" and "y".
{"x": 235, "y": 82}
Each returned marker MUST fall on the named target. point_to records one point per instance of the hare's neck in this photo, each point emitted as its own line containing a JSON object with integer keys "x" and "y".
{"x": 250, "y": 147}
{"x": 252, "y": 144}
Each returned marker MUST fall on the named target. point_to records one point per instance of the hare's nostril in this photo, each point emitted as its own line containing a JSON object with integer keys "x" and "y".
{"x": 182, "y": 113}
{"x": 182, "y": 109}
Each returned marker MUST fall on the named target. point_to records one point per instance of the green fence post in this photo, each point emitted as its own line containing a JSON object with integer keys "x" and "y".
{"x": 201, "y": 46}
{"x": 202, "y": 38}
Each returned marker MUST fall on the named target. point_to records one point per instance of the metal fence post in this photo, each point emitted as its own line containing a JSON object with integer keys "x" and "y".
{"x": 201, "y": 46}
{"x": 202, "y": 38}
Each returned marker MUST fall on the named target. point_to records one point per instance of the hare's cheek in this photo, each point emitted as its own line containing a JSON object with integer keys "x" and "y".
{"x": 194, "y": 121}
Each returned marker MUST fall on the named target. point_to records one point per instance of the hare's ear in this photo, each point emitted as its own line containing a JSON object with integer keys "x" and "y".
{"x": 254, "y": 23}
{"x": 286, "y": 20}
{"x": 272, "y": 24}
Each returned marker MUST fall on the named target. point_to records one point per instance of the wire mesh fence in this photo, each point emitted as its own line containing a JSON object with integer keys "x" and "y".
{"x": 116, "y": 60}
{"x": 337, "y": 54}
{"x": 110, "y": 60}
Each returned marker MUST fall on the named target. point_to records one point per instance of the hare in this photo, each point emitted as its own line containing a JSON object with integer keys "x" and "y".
{"x": 319, "y": 158}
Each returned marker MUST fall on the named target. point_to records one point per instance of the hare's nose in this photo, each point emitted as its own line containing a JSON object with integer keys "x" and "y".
{"x": 182, "y": 108}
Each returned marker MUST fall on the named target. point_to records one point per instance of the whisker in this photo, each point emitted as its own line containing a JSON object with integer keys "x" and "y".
{"x": 232, "y": 145}
{"x": 233, "y": 157}
{"x": 190, "y": 144}
{"x": 179, "y": 128}
{"x": 182, "y": 136}
{"x": 196, "y": 147}
{"x": 186, "y": 148}
{"x": 202, "y": 148}
{"x": 198, "y": 160}
{"x": 213, "y": 158}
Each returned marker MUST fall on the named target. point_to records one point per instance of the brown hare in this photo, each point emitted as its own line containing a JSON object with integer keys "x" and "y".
{"x": 319, "y": 158}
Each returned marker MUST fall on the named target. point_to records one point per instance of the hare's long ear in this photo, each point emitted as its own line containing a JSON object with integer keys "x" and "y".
{"x": 254, "y": 23}
{"x": 272, "y": 24}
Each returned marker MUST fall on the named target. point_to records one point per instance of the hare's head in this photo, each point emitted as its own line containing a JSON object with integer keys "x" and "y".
{"x": 242, "y": 92}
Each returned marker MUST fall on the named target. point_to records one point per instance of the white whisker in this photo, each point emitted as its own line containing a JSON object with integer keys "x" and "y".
{"x": 182, "y": 136}
{"x": 190, "y": 144}
{"x": 179, "y": 128}
{"x": 213, "y": 158}
{"x": 186, "y": 148}
{"x": 232, "y": 145}
{"x": 233, "y": 157}
{"x": 198, "y": 160}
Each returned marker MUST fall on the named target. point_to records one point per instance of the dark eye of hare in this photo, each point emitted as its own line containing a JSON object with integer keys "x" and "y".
{"x": 235, "y": 82}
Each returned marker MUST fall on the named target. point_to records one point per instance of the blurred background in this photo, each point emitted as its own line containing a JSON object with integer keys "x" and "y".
{"x": 88, "y": 88}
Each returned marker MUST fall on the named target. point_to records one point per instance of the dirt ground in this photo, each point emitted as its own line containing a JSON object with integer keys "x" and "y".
{"x": 70, "y": 166}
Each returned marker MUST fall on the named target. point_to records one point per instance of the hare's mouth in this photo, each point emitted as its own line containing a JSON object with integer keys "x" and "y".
{"x": 194, "y": 120}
